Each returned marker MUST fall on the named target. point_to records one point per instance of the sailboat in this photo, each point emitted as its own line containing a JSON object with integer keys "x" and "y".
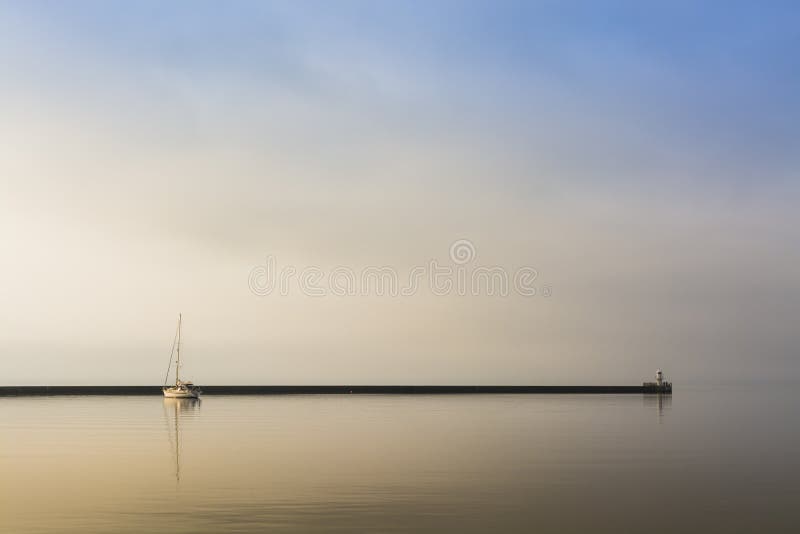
{"x": 181, "y": 389}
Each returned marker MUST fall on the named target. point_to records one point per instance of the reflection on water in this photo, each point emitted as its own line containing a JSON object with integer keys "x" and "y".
{"x": 659, "y": 403}
{"x": 711, "y": 460}
{"x": 175, "y": 407}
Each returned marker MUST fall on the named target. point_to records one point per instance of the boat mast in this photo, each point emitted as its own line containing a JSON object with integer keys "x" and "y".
{"x": 178, "y": 365}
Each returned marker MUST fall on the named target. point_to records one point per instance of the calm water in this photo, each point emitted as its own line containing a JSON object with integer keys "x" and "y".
{"x": 712, "y": 459}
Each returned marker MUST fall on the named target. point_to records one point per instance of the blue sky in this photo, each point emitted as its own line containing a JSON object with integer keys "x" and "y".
{"x": 710, "y": 82}
{"x": 727, "y": 57}
{"x": 642, "y": 155}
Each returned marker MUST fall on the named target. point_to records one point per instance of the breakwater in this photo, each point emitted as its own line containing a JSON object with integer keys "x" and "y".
{"x": 18, "y": 391}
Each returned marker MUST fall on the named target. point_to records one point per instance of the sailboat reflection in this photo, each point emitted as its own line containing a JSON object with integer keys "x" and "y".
{"x": 179, "y": 406}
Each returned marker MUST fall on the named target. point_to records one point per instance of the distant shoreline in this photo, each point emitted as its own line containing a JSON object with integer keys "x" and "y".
{"x": 27, "y": 391}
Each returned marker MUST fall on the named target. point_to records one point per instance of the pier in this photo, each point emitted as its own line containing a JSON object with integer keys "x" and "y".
{"x": 21, "y": 391}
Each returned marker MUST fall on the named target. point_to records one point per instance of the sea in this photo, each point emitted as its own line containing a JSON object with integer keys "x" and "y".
{"x": 710, "y": 458}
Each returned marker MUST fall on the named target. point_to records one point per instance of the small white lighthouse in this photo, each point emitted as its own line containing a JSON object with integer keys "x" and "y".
{"x": 659, "y": 386}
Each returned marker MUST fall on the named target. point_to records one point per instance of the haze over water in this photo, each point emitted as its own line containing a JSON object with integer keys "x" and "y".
{"x": 719, "y": 459}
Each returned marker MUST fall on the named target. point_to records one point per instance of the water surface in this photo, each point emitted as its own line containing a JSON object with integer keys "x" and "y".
{"x": 711, "y": 459}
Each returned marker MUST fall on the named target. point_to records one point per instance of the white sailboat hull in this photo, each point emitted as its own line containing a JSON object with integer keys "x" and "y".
{"x": 181, "y": 393}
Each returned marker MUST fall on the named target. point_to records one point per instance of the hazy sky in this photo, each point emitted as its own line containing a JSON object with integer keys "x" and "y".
{"x": 642, "y": 157}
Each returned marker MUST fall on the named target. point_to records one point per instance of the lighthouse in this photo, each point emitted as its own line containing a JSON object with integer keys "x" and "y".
{"x": 659, "y": 386}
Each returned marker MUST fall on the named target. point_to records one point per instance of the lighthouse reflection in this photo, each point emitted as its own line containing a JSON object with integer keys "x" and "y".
{"x": 660, "y": 402}
{"x": 174, "y": 409}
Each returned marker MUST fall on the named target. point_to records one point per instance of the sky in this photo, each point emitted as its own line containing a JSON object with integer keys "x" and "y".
{"x": 640, "y": 157}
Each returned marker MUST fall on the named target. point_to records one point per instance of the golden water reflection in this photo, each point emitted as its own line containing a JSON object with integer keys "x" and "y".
{"x": 367, "y": 463}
